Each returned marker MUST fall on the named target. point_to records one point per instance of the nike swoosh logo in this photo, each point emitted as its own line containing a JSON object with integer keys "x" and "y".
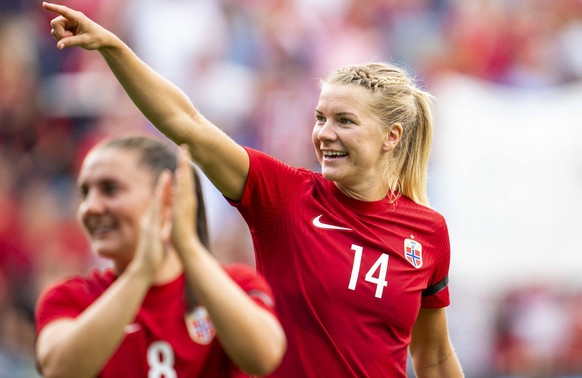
{"x": 317, "y": 223}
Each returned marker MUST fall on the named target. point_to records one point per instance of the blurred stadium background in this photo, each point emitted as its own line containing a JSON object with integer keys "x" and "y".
{"x": 506, "y": 168}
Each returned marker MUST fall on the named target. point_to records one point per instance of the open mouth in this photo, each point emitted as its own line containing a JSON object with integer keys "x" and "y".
{"x": 101, "y": 228}
{"x": 334, "y": 154}
{"x": 101, "y": 232}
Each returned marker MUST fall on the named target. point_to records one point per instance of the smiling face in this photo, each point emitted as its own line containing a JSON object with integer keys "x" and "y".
{"x": 350, "y": 143}
{"x": 115, "y": 192}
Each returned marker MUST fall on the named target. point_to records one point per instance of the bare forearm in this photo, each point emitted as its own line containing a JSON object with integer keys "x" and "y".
{"x": 168, "y": 108}
{"x": 81, "y": 347}
{"x": 431, "y": 349}
{"x": 449, "y": 367}
{"x": 250, "y": 335}
{"x": 171, "y": 111}
{"x": 162, "y": 102}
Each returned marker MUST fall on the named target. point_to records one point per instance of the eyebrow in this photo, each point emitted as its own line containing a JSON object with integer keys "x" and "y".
{"x": 101, "y": 181}
{"x": 342, "y": 114}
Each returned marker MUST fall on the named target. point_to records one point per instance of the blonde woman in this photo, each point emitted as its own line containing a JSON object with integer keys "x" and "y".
{"x": 357, "y": 260}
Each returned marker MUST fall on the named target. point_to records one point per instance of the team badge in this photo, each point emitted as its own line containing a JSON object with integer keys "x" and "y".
{"x": 199, "y": 326}
{"x": 413, "y": 252}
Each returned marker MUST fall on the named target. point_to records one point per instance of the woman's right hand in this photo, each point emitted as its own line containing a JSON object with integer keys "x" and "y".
{"x": 73, "y": 28}
{"x": 223, "y": 161}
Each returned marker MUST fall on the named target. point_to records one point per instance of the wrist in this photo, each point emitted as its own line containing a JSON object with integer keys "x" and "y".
{"x": 110, "y": 43}
{"x": 189, "y": 246}
{"x": 137, "y": 270}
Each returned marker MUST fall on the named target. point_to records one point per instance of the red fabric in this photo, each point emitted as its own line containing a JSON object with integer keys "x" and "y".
{"x": 160, "y": 325}
{"x": 334, "y": 330}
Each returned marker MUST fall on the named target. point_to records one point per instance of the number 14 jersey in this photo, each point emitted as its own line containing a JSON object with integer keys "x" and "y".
{"x": 349, "y": 276}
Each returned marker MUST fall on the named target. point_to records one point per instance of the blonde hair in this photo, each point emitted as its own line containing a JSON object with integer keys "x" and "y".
{"x": 398, "y": 100}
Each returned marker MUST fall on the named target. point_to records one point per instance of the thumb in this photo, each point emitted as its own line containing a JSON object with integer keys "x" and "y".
{"x": 71, "y": 40}
{"x": 65, "y": 42}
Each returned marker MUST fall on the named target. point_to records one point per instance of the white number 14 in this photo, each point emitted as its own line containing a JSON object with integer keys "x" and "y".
{"x": 380, "y": 266}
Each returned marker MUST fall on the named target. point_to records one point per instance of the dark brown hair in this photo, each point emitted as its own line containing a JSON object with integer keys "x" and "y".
{"x": 157, "y": 156}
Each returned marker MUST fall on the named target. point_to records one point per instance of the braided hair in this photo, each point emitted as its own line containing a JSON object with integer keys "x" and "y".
{"x": 397, "y": 99}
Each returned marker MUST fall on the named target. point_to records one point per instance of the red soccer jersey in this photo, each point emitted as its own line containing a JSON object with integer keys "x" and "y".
{"x": 349, "y": 276}
{"x": 161, "y": 341}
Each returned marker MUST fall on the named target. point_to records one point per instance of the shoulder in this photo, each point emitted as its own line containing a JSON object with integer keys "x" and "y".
{"x": 240, "y": 271}
{"x": 249, "y": 280}
{"x": 427, "y": 213}
{"x": 262, "y": 160}
{"x": 94, "y": 281}
{"x": 71, "y": 296}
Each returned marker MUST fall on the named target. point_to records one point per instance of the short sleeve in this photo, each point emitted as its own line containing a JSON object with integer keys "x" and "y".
{"x": 253, "y": 284}
{"x": 437, "y": 294}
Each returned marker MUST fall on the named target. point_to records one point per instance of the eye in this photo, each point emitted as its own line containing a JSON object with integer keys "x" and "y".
{"x": 109, "y": 188}
{"x": 319, "y": 118}
{"x": 345, "y": 121}
{"x": 83, "y": 191}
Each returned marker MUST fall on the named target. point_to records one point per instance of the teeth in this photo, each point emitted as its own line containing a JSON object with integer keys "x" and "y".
{"x": 333, "y": 153}
{"x": 100, "y": 230}
{"x": 100, "y": 225}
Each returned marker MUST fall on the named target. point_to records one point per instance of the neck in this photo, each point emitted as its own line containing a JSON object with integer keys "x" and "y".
{"x": 370, "y": 194}
{"x": 168, "y": 271}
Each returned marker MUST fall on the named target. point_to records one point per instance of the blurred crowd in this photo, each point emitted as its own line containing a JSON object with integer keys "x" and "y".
{"x": 252, "y": 67}
{"x": 539, "y": 332}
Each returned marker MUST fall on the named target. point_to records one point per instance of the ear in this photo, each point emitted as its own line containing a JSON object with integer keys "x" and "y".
{"x": 393, "y": 136}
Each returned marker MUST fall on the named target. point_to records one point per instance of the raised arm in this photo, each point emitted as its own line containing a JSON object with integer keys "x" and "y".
{"x": 431, "y": 349}
{"x": 221, "y": 159}
{"x": 251, "y": 336}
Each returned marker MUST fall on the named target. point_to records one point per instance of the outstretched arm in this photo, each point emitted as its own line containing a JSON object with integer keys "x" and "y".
{"x": 251, "y": 336}
{"x": 222, "y": 160}
{"x": 431, "y": 350}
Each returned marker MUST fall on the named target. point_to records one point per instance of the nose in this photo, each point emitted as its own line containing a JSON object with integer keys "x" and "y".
{"x": 92, "y": 203}
{"x": 326, "y": 132}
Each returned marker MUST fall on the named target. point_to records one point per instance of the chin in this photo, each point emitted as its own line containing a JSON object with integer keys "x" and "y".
{"x": 330, "y": 174}
{"x": 105, "y": 250}
{"x": 105, "y": 254}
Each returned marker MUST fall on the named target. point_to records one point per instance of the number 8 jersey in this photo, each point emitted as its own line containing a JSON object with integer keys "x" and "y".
{"x": 164, "y": 340}
{"x": 349, "y": 276}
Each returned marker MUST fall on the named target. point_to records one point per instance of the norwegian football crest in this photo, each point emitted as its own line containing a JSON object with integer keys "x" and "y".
{"x": 413, "y": 252}
{"x": 199, "y": 326}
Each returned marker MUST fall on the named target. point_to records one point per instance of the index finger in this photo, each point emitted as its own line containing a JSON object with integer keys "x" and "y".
{"x": 59, "y": 9}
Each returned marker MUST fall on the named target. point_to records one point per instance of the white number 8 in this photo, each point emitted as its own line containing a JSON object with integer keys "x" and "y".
{"x": 161, "y": 360}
